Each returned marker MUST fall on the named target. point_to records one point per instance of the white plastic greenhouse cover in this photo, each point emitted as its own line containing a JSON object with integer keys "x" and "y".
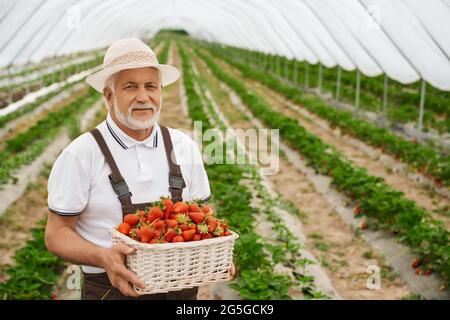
{"x": 405, "y": 39}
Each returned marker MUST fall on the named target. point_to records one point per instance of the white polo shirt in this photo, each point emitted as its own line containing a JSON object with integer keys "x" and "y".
{"x": 79, "y": 185}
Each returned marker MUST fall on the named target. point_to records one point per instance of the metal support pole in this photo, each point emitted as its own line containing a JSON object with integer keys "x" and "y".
{"x": 272, "y": 64}
{"x": 385, "y": 93}
{"x": 338, "y": 84}
{"x": 10, "y": 88}
{"x": 286, "y": 69}
{"x": 422, "y": 104}
{"x": 278, "y": 66}
{"x": 320, "y": 78}
{"x": 266, "y": 61}
{"x": 306, "y": 75}
{"x": 295, "y": 72}
{"x": 358, "y": 88}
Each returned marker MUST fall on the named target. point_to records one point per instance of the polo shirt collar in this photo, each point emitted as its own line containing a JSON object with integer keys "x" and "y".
{"x": 125, "y": 141}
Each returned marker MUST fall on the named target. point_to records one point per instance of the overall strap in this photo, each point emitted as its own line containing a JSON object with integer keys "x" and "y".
{"x": 119, "y": 185}
{"x": 176, "y": 181}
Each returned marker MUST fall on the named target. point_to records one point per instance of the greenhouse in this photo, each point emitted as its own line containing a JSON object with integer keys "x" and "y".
{"x": 300, "y": 148}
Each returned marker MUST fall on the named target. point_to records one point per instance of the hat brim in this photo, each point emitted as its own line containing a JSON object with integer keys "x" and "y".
{"x": 169, "y": 74}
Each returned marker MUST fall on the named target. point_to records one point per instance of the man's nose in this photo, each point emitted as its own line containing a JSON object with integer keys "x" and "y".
{"x": 142, "y": 95}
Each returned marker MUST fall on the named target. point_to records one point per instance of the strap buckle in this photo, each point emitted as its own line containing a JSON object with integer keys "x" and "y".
{"x": 120, "y": 188}
{"x": 176, "y": 182}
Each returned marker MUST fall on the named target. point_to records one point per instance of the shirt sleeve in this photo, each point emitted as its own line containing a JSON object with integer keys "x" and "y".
{"x": 199, "y": 188}
{"x": 68, "y": 186}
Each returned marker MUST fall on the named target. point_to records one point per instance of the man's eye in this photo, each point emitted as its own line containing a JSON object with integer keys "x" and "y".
{"x": 130, "y": 86}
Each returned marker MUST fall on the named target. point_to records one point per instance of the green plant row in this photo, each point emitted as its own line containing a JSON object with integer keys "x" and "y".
{"x": 425, "y": 159}
{"x": 284, "y": 249}
{"x": 19, "y": 89}
{"x": 256, "y": 279}
{"x": 25, "y": 147}
{"x": 35, "y": 272}
{"x": 31, "y": 106}
{"x": 387, "y": 208}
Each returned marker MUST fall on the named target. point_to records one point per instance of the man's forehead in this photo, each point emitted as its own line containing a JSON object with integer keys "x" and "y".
{"x": 147, "y": 74}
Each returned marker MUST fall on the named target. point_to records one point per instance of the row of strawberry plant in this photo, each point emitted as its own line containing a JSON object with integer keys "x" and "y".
{"x": 403, "y": 99}
{"x": 19, "y": 90}
{"x": 33, "y": 105}
{"x": 35, "y": 271}
{"x": 256, "y": 279}
{"x": 283, "y": 248}
{"x": 425, "y": 159}
{"x": 389, "y": 209}
{"x": 23, "y": 148}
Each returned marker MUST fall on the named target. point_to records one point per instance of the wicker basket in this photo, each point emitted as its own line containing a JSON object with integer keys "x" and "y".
{"x": 168, "y": 267}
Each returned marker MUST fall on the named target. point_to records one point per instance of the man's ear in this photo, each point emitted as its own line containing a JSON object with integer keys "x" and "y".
{"x": 107, "y": 93}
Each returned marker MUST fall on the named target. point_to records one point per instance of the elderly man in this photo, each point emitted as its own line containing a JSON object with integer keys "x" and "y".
{"x": 127, "y": 161}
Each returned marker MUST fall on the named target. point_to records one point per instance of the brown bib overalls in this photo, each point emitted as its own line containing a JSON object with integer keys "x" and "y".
{"x": 98, "y": 286}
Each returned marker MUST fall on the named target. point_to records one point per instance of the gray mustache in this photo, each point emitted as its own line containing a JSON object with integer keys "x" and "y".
{"x": 143, "y": 106}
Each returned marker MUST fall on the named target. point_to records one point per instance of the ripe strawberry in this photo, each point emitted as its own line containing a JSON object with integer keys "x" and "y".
{"x": 171, "y": 223}
{"x": 417, "y": 271}
{"x": 357, "y": 210}
{"x": 178, "y": 238}
{"x": 155, "y": 213}
{"x": 168, "y": 206}
{"x": 192, "y": 226}
{"x": 183, "y": 226}
{"x": 124, "y": 228}
{"x": 206, "y": 208}
{"x": 188, "y": 234}
{"x": 227, "y": 233}
{"x": 141, "y": 213}
{"x": 143, "y": 220}
{"x": 196, "y": 237}
{"x": 171, "y": 233}
{"x": 134, "y": 234}
{"x": 157, "y": 233}
{"x": 363, "y": 225}
{"x": 415, "y": 263}
{"x": 193, "y": 207}
{"x": 197, "y": 217}
{"x": 180, "y": 207}
{"x": 154, "y": 240}
{"x": 158, "y": 224}
{"x": 212, "y": 224}
{"x": 131, "y": 219}
{"x": 146, "y": 234}
{"x": 427, "y": 272}
{"x": 223, "y": 224}
{"x": 206, "y": 236}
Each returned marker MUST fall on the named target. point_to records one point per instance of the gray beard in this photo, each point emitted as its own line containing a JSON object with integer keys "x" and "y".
{"x": 132, "y": 123}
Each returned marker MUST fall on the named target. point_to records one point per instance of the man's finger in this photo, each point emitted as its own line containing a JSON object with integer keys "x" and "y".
{"x": 124, "y": 249}
{"x": 232, "y": 271}
{"x": 135, "y": 280}
{"x": 127, "y": 290}
{"x": 131, "y": 277}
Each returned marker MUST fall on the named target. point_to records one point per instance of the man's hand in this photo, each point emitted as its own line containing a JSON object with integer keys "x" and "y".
{"x": 232, "y": 271}
{"x": 120, "y": 277}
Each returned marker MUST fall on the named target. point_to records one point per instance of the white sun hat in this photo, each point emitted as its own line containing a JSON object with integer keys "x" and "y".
{"x": 130, "y": 53}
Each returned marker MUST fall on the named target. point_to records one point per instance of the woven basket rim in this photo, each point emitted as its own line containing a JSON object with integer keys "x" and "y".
{"x": 171, "y": 245}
